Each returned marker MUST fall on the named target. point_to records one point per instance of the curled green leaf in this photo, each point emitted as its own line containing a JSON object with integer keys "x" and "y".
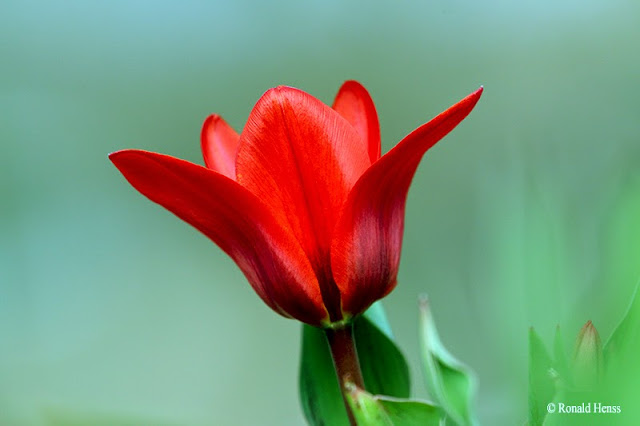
{"x": 451, "y": 383}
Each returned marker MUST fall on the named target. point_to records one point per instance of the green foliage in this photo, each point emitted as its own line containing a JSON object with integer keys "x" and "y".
{"x": 384, "y": 368}
{"x": 319, "y": 389}
{"x": 581, "y": 379}
{"x": 450, "y": 382}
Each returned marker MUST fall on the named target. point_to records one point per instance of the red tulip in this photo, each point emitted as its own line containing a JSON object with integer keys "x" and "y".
{"x": 301, "y": 200}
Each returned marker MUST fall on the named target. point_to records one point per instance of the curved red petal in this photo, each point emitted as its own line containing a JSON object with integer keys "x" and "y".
{"x": 365, "y": 251}
{"x": 298, "y": 157}
{"x": 219, "y": 144}
{"x": 354, "y": 103}
{"x": 266, "y": 251}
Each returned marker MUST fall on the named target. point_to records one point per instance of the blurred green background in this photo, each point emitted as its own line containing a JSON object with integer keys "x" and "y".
{"x": 526, "y": 215}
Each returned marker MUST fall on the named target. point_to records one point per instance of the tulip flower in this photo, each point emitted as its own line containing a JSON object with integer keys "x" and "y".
{"x": 301, "y": 199}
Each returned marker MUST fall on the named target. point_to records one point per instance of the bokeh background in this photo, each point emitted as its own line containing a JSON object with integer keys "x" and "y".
{"x": 526, "y": 215}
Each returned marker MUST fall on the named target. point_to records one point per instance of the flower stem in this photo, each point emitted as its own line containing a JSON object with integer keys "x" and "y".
{"x": 345, "y": 361}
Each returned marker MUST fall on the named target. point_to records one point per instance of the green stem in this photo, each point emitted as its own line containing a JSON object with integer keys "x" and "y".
{"x": 345, "y": 361}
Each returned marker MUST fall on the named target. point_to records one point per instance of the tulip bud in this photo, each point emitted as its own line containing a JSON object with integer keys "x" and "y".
{"x": 587, "y": 357}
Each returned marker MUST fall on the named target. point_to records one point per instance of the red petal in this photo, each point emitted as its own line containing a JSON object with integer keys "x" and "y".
{"x": 354, "y": 103}
{"x": 219, "y": 144}
{"x": 298, "y": 157}
{"x": 365, "y": 251}
{"x": 235, "y": 220}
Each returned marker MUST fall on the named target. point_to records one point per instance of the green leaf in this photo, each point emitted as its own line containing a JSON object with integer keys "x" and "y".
{"x": 450, "y": 382}
{"x": 624, "y": 343}
{"x": 319, "y": 390}
{"x": 376, "y": 410}
{"x": 384, "y": 368}
{"x": 541, "y": 383}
